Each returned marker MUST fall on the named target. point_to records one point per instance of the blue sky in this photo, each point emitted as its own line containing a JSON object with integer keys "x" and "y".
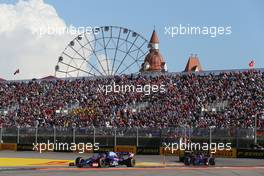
{"x": 246, "y": 17}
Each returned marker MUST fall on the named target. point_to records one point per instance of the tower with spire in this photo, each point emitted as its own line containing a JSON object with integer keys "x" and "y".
{"x": 193, "y": 64}
{"x": 154, "y": 61}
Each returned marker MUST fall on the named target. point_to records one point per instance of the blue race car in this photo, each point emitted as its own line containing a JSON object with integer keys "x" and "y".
{"x": 198, "y": 159}
{"x": 107, "y": 159}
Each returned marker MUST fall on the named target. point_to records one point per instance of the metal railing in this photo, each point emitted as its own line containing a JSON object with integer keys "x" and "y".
{"x": 144, "y": 137}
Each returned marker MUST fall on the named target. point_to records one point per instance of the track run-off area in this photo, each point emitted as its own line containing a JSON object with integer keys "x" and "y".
{"x": 32, "y": 163}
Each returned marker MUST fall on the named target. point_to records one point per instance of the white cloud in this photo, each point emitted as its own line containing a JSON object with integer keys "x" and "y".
{"x": 20, "y": 47}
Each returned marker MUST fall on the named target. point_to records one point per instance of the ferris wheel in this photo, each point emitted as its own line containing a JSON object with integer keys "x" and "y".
{"x": 107, "y": 50}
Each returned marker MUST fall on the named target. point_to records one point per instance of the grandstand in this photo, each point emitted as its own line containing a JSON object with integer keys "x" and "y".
{"x": 227, "y": 99}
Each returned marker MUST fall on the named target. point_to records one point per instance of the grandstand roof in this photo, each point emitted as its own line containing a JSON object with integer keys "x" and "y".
{"x": 49, "y": 78}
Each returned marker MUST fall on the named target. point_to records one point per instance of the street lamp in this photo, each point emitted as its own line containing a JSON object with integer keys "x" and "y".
{"x": 210, "y": 133}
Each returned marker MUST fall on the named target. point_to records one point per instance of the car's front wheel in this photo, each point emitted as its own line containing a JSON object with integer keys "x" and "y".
{"x": 211, "y": 161}
{"x": 131, "y": 162}
{"x": 78, "y": 162}
{"x": 187, "y": 161}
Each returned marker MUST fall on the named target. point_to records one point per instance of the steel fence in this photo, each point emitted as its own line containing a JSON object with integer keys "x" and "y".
{"x": 141, "y": 137}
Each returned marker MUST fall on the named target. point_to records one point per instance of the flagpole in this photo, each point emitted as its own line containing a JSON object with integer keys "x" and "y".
{"x": 14, "y": 74}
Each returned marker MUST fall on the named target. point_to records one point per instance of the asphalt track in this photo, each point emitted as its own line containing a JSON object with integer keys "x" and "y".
{"x": 46, "y": 164}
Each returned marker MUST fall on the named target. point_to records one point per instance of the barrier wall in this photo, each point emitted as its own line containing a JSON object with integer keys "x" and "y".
{"x": 233, "y": 153}
{"x": 125, "y": 148}
{"x": 226, "y": 153}
{"x": 168, "y": 152}
{"x": 246, "y": 153}
{"x": 148, "y": 150}
{"x": 219, "y": 153}
{"x": 8, "y": 146}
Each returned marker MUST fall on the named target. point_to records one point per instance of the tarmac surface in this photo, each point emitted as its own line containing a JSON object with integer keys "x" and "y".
{"x": 56, "y": 164}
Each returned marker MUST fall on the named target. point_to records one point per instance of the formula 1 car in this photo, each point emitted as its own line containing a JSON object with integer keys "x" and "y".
{"x": 197, "y": 159}
{"x": 106, "y": 159}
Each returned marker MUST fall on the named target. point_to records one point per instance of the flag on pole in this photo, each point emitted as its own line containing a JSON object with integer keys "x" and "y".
{"x": 16, "y": 72}
{"x": 251, "y": 64}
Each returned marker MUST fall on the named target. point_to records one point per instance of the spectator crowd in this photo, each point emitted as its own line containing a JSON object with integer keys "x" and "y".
{"x": 77, "y": 101}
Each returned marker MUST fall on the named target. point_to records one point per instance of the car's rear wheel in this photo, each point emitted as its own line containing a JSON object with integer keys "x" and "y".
{"x": 78, "y": 162}
{"x": 187, "y": 161}
{"x": 131, "y": 162}
{"x": 211, "y": 161}
{"x": 206, "y": 162}
{"x": 101, "y": 162}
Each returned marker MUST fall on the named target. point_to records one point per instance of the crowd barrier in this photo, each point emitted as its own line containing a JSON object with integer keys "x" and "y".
{"x": 233, "y": 153}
